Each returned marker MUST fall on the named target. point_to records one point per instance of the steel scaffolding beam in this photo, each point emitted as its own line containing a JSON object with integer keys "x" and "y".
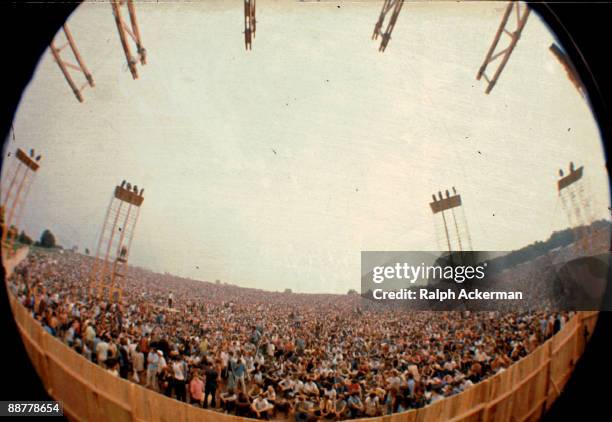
{"x": 65, "y": 65}
{"x": 521, "y": 19}
{"x": 133, "y": 31}
{"x": 389, "y": 6}
{"x": 250, "y": 23}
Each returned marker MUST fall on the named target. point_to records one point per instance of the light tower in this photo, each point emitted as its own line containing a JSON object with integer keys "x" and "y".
{"x": 133, "y": 31}
{"x": 448, "y": 210}
{"x": 19, "y": 177}
{"x": 389, "y": 6}
{"x": 250, "y": 23}
{"x": 576, "y": 202}
{"x": 521, "y": 19}
{"x": 110, "y": 264}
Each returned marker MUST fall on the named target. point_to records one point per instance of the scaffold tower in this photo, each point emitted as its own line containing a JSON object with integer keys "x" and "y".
{"x": 21, "y": 168}
{"x": 109, "y": 266}
{"x": 450, "y": 223}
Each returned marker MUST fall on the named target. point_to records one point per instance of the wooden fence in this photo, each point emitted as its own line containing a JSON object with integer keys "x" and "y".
{"x": 520, "y": 393}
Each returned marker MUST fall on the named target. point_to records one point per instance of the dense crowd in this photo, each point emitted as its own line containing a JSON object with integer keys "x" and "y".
{"x": 268, "y": 354}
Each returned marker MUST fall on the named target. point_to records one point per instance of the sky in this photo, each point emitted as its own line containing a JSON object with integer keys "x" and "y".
{"x": 274, "y": 168}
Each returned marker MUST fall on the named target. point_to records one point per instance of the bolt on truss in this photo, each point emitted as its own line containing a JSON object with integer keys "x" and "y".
{"x": 522, "y": 13}
{"x": 110, "y": 264}
{"x": 133, "y": 31}
{"x": 19, "y": 177}
{"x": 65, "y": 65}
{"x": 250, "y": 23}
{"x": 393, "y": 6}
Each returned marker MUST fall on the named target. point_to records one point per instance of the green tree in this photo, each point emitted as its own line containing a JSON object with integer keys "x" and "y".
{"x": 24, "y": 238}
{"x": 47, "y": 239}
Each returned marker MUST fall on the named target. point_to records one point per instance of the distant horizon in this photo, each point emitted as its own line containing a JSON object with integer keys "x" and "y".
{"x": 227, "y": 283}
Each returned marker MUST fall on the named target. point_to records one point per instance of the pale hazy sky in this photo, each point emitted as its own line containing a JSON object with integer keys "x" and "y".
{"x": 362, "y": 139}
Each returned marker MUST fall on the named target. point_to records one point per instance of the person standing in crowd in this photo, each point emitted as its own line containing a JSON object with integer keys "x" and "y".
{"x": 196, "y": 390}
{"x": 165, "y": 381}
{"x": 203, "y": 346}
{"x": 124, "y": 358}
{"x": 144, "y": 345}
{"x": 162, "y": 361}
{"x": 102, "y": 350}
{"x": 90, "y": 335}
{"x": 179, "y": 369}
{"x": 211, "y": 386}
{"x": 71, "y": 333}
{"x": 138, "y": 365}
{"x": 239, "y": 372}
{"x": 152, "y": 368}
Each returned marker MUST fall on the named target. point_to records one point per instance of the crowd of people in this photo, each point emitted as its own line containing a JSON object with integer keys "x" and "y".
{"x": 269, "y": 354}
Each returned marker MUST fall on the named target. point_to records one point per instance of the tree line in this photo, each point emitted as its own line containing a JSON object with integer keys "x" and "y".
{"x": 47, "y": 239}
